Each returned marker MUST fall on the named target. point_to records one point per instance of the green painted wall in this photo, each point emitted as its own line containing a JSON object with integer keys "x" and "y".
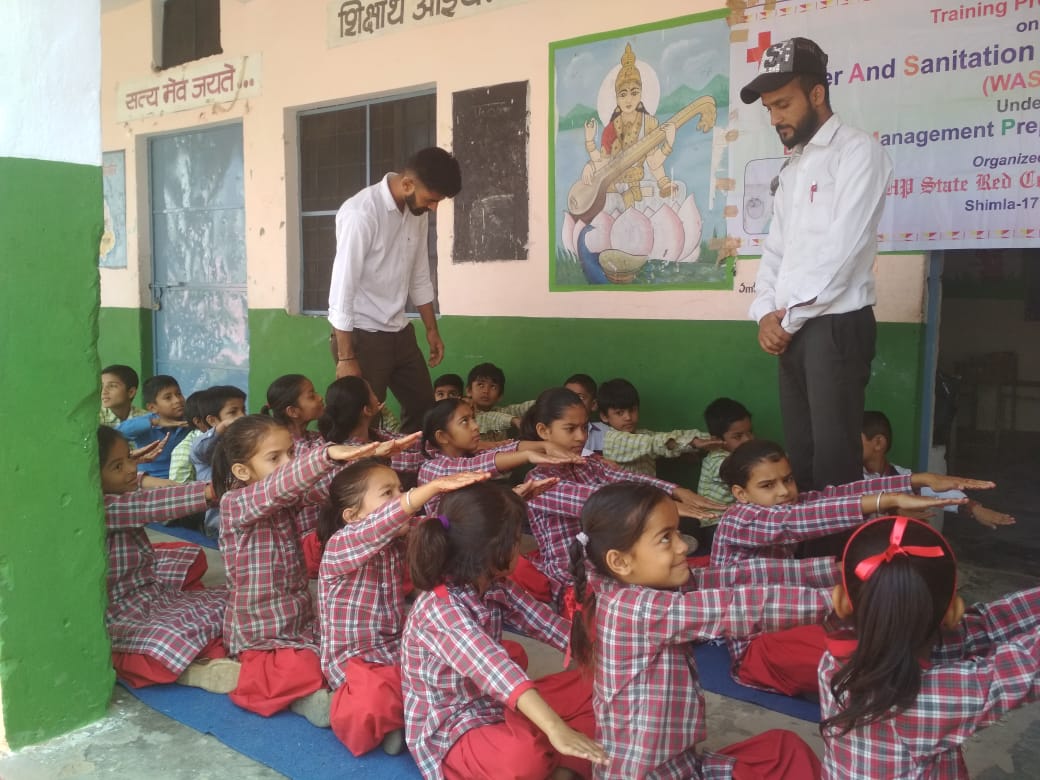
{"x": 55, "y": 668}
{"x": 679, "y": 366}
{"x": 125, "y": 336}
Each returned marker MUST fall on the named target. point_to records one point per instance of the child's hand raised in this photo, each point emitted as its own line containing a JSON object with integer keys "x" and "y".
{"x": 554, "y": 456}
{"x": 392, "y": 446}
{"x": 535, "y": 487}
{"x": 149, "y": 452}
{"x": 455, "y": 481}
{"x": 706, "y": 444}
{"x": 345, "y": 452}
{"x": 943, "y": 482}
{"x": 990, "y": 518}
{"x": 908, "y": 504}
{"x": 695, "y": 505}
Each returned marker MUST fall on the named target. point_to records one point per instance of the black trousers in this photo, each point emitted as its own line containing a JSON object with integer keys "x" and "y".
{"x": 823, "y": 378}
{"x": 394, "y": 361}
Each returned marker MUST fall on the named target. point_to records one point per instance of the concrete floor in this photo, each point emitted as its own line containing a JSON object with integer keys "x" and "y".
{"x": 135, "y": 742}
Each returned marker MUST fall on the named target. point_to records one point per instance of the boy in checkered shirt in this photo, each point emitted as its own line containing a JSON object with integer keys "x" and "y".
{"x": 635, "y": 448}
{"x": 912, "y": 675}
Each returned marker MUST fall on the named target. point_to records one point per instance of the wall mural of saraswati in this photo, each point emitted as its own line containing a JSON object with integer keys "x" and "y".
{"x": 636, "y": 197}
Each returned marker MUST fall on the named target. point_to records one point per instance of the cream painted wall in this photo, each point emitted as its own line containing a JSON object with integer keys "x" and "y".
{"x": 300, "y": 71}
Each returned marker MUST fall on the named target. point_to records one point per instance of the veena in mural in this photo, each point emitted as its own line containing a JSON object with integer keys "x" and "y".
{"x": 635, "y": 178}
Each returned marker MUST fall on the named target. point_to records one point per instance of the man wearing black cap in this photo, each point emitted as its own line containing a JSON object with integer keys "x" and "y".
{"x": 815, "y": 288}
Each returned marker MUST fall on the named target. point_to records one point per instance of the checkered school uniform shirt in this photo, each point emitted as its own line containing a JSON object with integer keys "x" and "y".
{"x": 639, "y": 451}
{"x": 361, "y": 592}
{"x": 270, "y": 605}
{"x": 455, "y": 674}
{"x": 144, "y": 615}
{"x": 748, "y": 531}
{"x": 646, "y": 693}
{"x": 440, "y": 465}
{"x": 990, "y": 666}
{"x": 555, "y": 516}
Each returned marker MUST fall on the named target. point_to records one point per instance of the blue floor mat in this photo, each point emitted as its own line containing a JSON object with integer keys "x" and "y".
{"x": 285, "y": 742}
{"x": 188, "y": 535}
{"x": 713, "y": 666}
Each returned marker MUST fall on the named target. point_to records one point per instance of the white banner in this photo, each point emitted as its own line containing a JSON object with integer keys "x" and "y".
{"x": 952, "y": 91}
{"x": 348, "y": 21}
{"x": 218, "y": 80}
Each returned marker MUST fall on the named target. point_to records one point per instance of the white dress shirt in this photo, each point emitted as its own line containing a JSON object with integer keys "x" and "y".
{"x": 381, "y": 258}
{"x": 818, "y": 258}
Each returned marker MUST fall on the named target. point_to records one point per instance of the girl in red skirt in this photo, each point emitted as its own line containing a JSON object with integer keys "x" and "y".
{"x": 361, "y": 590}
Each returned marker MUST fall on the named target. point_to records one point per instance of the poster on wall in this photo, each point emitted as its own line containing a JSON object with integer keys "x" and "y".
{"x": 952, "y": 91}
{"x": 637, "y": 158}
{"x": 112, "y": 252}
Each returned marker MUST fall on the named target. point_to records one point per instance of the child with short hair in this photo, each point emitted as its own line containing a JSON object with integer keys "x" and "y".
{"x": 118, "y": 388}
{"x": 448, "y": 386}
{"x": 770, "y": 517}
{"x": 559, "y": 417}
{"x": 484, "y": 387}
{"x": 221, "y": 406}
{"x": 584, "y": 386}
{"x": 451, "y": 443}
{"x": 270, "y": 623}
{"x": 181, "y": 469}
{"x": 361, "y": 590}
{"x": 634, "y": 628}
{"x": 470, "y": 710}
{"x": 160, "y": 633}
{"x": 730, "y": 422}
{"x": 635, "y": 448}
{"x": 165, "y": 404}
{"x": 913, "y": 675}
{"x": 293, "y": 402}
{"x": 877, "y": 440}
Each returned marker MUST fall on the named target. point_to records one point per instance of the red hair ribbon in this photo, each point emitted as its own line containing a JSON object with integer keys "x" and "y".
{"x": 865, "y": 569}
{"x": 572, "y": 608}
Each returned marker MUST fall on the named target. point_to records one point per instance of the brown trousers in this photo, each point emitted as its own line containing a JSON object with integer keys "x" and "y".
{"x": 394, "y": 361}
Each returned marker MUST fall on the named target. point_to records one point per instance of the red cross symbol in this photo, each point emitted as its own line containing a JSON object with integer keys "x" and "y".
{"x": 764, "y": 39}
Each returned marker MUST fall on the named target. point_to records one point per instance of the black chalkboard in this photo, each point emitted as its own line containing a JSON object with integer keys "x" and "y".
{"x": 490, "y": 140}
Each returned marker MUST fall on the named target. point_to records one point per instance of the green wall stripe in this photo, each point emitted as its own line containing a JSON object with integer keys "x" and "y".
{"x": 55, "y": 668}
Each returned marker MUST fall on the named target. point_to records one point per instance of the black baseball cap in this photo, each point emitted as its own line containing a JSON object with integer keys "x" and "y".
{"x": 781, "y": 62}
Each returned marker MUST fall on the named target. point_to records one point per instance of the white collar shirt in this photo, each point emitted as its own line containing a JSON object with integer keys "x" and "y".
{"x": 382, "y": 257}
{"x": 819, "y": 256}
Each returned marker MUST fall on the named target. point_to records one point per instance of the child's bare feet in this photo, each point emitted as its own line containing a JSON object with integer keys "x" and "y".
{"x": 315, "y": 707}
{"x": 393, "y": 742}
{"x": 216, "y": 675}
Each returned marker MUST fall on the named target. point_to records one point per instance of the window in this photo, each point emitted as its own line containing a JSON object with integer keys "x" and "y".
{"x": 190, "y": 31}
{"x": 343, "y": 150}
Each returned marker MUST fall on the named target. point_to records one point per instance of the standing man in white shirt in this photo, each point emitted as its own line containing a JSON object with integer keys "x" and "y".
{"x": 814, "y": 295}
{"x": 382, "y": 258}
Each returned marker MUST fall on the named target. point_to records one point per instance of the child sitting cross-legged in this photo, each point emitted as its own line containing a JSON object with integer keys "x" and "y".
{"x": 220, "y": 407}
{"x": 635, "y": 623}
{"x": 470, "y": 710}
{"x": 361, "y": 590}
{"x": 770, "y": 517}
{"x": 912, "y": 675}
{"x": 160, "y": 633}
{"x": 635, "y": 448}
{"x": 270, "y": 623}
{"x": 484, "y": 387}
{"x": 877, "y": 441}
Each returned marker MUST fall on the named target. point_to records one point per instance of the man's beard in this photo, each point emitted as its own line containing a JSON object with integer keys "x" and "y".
{"x": 409, "y": 201}
{"x": 803, "y": 131}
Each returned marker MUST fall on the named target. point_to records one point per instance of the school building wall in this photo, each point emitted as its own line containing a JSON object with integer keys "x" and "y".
{"x": 681, "y": 348}
{"x": 55, "y": 668}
